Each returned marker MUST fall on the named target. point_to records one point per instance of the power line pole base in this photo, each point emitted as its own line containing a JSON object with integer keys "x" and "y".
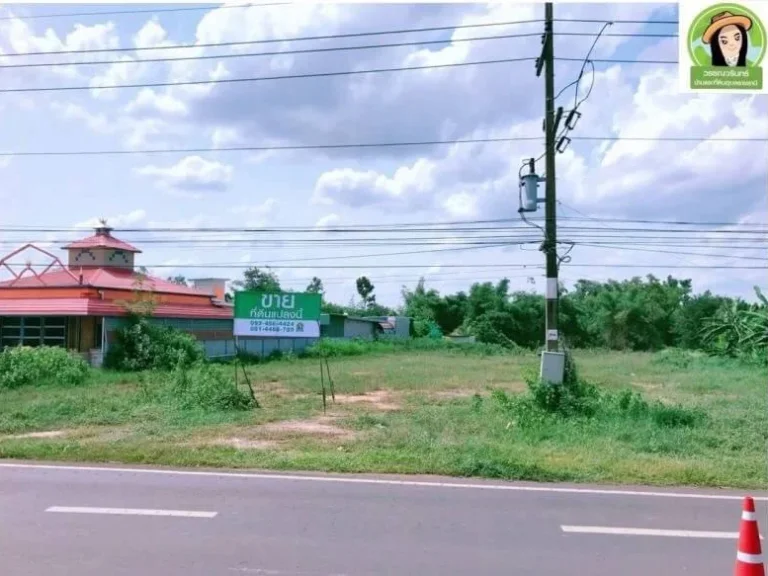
{"x": 552, "y": 367}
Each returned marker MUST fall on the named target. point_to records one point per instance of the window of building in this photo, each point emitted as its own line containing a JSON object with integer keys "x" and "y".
{"x": 33, "y": 331}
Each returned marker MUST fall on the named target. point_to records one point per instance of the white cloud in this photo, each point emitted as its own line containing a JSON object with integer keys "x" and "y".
{"x": 148, "y": 101}
{"x": 124, "y": 72}
{"x": 328, "y": 221}
{"x": 223, "y": 136}
{"x": 116, "y": 221}
{"x": 151, "y": 35}
{"x": 95, "y": 122}
{"x": 461, "y": 205}
{"x": 191, "y": 174}
{"x": 624, "y": 176}
{"x": 17, "y": 36}
{"x": 257, "y": 214}
{"x": 96, "y": 37}
{"x": 354, "y": 188}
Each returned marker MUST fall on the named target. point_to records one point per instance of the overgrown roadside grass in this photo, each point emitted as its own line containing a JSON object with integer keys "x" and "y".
{"x": 426, "y": 411}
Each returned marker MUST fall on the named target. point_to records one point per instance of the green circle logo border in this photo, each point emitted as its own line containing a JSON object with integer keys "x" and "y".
{"x": 716, "y": 9}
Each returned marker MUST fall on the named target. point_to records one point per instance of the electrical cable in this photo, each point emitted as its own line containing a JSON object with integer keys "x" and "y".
{"x": 354, "y": 145}
{"x": 273, "y": 53}
{"x": 592, "y": 21}
{"x": 147, "y": 11}
{"x": 233, "y": 265}
{"x": 315, "y": 38}
{"x": 292, "y": 51}
{"x": 409, "y": 226}
{"x": 267, "y": 78}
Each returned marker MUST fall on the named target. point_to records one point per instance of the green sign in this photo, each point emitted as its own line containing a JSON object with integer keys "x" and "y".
{"x": 726, "y": 44}
{"x": 277, "y": 314}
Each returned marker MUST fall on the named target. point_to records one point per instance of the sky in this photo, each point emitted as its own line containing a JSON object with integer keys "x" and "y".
{"x": 600, "y": 182}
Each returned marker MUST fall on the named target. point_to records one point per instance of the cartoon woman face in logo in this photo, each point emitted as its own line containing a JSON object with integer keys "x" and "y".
{"x": 727, "y": 35}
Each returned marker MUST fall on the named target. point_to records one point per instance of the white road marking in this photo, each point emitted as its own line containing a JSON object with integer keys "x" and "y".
{"x": 268, "y": 572}
{"x": 608, "y": 530}
{"x": 131, "y": 511}
{"x": 384, "y": 482}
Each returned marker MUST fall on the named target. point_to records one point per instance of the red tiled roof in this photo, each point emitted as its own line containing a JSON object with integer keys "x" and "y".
{"x": 93, "y": 307}
{"x": 101, "y": 240}
{"x": 105, "y": 278}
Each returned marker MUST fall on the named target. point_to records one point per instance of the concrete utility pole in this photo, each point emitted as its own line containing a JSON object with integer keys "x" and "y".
{"x": 547, "y": 61}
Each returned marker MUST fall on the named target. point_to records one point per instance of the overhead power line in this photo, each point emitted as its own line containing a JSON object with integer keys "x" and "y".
{"x": 211, "y": 7}
{"x": 241, "y": 265}
{"x": 413, "y": 227}
{"x": 346, "y": 35}
{"x": 287, "y": 147}
{"x": 311, "y": 75}
{"x": 146, "y": 11}
{"x": 268, "y": 78}
{"x": 616, "y": 61}
{"x": 672, "y": 252}
{"x": 499, "y": 224}
{"x": 272, "y": 53}
{"x": 361, "y": 145}
{"x": 308, "y": 50}
{"x": 592, "y": 21}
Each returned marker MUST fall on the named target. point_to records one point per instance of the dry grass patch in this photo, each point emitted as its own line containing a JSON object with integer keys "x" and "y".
{"x": 464, "y": 392}
{"x": 243, "y": 443}
{"x": 380, "y": 400}
{"x": 318, "y": 427}
{"x": 48, "y": 434}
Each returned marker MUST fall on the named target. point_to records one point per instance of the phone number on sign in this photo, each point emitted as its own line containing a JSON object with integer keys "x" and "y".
{"x": 276, "y": 326}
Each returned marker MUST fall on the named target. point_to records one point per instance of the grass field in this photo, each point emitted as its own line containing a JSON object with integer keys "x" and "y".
{"x": 426, "y": 412}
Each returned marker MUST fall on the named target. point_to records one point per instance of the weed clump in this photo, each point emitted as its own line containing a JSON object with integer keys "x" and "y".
{"x": 205, "y": 388}
{"x": 142, "y": 345}
{"x": 578, "y": 400}
{"x": 677, "y": 359}
{"x": 24, "y": 366}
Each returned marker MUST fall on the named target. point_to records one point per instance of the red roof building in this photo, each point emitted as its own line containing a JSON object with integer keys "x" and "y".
{"x": 79, "y": 305}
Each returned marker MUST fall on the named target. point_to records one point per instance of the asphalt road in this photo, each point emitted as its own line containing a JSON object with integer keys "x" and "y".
{"x": 89, "y": 521}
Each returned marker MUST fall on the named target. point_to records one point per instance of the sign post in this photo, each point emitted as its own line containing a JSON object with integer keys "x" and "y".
{"x": 277, "y": 315}
{"x": 280, "y": 315}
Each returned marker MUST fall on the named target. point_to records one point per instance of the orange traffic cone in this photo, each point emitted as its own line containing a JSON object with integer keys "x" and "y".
{"x": 749, "y": 557}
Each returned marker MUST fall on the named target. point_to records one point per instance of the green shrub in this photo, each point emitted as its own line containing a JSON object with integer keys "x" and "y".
{"x": 581, "y": 400}
{"x": 665, "y": 416}
{"x": 142, "y": 345}
{"x": 329, "y": 347}
{"x": 205, "y": 388}
{"x": 486, "y": 331}
{"x": 676, "y": 358}
{"x": 24, "y": 366}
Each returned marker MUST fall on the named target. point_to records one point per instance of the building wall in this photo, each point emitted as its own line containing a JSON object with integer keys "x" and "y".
{"x": 157, "y": 297}
{"x": 356, "y": 328}
{"x": 334, "y": 328}
{"x": 216, "y": 337}
{"x": 100, "y": 257}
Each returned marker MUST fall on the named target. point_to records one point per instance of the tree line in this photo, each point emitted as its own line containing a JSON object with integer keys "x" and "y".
{"x": 640, "y": 314}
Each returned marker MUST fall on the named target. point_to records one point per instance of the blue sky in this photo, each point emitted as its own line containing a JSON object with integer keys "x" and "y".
{"x": 712, "y": 181}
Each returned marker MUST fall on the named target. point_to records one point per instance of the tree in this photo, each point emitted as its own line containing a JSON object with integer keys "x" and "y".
{"x": 365, "y": 289}
{"x": 258, "y": 280}
{"x": 178, "y": 279}
{"x": 315, "y": 286}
